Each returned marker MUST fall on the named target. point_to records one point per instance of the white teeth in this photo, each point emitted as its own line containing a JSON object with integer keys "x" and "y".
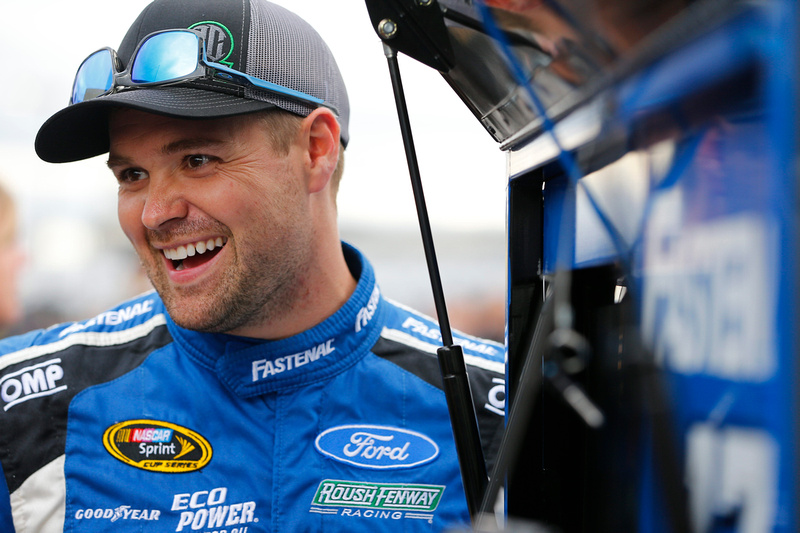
{"x": 182, "y": 252}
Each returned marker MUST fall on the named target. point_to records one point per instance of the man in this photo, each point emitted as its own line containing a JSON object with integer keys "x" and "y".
{"x": 266, "y": 385}
{"x": 11, "y": 260}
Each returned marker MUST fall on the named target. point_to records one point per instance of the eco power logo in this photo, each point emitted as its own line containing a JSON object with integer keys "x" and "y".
{"x": 157, "y": 446}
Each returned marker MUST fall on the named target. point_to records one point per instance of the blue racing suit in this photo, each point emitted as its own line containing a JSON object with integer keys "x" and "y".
{"x": 128, "y": 422}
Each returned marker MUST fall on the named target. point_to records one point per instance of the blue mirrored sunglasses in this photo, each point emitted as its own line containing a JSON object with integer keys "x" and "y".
{"x": 164, "y": 58}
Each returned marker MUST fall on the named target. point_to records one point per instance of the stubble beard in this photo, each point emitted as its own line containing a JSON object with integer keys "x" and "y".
{"x": 257, "y": 289}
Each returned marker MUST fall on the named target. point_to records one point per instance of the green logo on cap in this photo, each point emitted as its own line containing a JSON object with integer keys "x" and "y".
{"x": 219, "y": 40}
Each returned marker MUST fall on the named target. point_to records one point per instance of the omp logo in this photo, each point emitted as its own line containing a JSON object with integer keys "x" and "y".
{"x": 208, "y": 509}
{"x": 379, "y": 447}
{"x": 389, "y": 496}
{"x": 31, "y": 382}
{"x": 219, "y": 40}
{"x": 366, "y": 313}
{"x": 157, "y": 446}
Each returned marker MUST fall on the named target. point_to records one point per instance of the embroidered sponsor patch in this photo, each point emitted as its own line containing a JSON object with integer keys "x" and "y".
{"x": 378, "y": 447}
{"x": 387, "y": 496}
{"x": 157, "y": 446}
{"x": 366, "y": 313}
{"x": 123, "y": 512}
{"x": 211, "y": 510}
{"x": 265, "y": 368}
{"x": 36, "y": 381}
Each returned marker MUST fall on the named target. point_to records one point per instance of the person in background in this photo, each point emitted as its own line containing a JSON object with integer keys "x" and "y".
{"x": 12, "y": 259}
{"x": 267, "y": 384}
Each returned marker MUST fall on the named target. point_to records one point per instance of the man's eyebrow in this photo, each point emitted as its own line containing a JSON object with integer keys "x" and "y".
{"x": 191, "y": 144}
{"x": 171, "y": 148}
{"x": 117, "y": 161}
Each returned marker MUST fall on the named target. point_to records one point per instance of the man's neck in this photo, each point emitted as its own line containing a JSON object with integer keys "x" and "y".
{"x": 325, "y": 289}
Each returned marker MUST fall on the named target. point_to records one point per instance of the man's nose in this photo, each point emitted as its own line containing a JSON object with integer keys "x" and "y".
{"x": 164, "y": 202}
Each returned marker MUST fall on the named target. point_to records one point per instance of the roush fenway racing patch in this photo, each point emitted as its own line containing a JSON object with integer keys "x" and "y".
{"x": 377, "y": 500}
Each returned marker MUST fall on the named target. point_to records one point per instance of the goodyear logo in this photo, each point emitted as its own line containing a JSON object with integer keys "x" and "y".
{"x": 384, "y": 496}
{"x": 157, "y": 446}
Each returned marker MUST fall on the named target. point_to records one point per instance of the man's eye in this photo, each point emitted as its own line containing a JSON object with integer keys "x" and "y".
{"x": 197, "y": 160}
{"x": 131, "y": 175}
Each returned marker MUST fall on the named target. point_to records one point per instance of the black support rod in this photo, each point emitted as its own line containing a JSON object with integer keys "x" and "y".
{"x": 451, "y": 358}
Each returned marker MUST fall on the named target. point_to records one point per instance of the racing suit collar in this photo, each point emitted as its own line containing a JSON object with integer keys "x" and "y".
{"x": 250, "y": 367}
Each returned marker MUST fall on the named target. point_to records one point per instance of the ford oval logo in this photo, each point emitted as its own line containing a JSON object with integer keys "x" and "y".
{"x": 380, "y": 447}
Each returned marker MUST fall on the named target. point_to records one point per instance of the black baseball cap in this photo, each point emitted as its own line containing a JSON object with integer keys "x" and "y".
{"x": 255, "y": 37}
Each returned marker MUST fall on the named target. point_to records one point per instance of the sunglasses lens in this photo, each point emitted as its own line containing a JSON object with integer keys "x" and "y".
{"x": 165, "y": 56}
{"x": 94, "y": 77}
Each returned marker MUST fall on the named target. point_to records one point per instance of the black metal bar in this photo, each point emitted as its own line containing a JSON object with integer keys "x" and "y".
{"x": 451, "y": 359}
{"x": 465, "y": 426}
{"x": 527, "y": 390}
{"x": 419, "y": 197}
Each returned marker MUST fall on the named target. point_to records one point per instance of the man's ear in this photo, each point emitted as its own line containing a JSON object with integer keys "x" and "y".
{"x": 322, "y": 132}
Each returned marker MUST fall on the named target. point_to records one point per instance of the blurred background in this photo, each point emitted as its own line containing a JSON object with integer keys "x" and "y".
{"x": 78, "y": 260}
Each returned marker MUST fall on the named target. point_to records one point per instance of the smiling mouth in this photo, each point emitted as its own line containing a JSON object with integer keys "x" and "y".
{"x": 194, "y": 254}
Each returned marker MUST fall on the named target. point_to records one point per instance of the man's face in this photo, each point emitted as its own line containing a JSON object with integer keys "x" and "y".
{"x": 218, "y": 217}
